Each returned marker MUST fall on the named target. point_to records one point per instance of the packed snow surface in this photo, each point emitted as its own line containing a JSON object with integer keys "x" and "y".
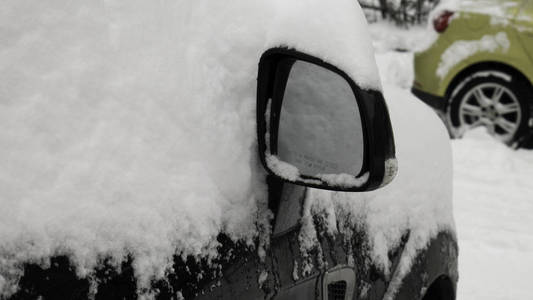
{"x": 492, "y": 192}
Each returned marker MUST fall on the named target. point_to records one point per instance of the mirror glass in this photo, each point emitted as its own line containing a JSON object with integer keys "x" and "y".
{"x": 320, "y": 130}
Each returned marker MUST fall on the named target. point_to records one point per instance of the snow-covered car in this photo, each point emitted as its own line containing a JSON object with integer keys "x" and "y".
{"x": 479, "y": 69}
{"x": 215, "y": 150}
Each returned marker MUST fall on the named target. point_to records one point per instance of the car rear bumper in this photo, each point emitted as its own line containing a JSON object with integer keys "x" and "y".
{"x": 436, "y": 102}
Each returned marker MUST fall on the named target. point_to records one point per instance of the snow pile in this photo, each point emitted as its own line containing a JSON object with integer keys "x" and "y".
{"x": 114, "y": 140}
{"x": 121, "y": 121}
{"x": 492, "y": 188}
{"x": 394, "y": 48}
{"x": 386, "y": 36}
{"x": 461, "y": 50}
{"x": 397, "y": 68}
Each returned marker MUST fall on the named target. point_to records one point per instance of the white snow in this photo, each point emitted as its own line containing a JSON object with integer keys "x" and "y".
{"x": 492, "y": 201}
{"x": 386, "y": 36}
{"x": 295, "y": 276}
{"x": 493, "y": 209}
{"x": 263, "y": 276}
{"x": 129, "y": 126}
{"x": 343, "y": 179}
{"x": 282, "y": 168}
{"x": 460, "y": 50}
{"x": 495, "y": 73}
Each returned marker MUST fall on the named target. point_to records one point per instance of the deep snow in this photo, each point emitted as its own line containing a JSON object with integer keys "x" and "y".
{"x": 493, "y": 207}
{"x": 492, "y": 191}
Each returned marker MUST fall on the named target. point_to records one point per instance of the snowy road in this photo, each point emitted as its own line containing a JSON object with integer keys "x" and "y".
{"x": 493, "y": 193}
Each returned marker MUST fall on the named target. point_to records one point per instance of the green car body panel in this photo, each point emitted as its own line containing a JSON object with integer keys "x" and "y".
{"x": 471, "y": 23}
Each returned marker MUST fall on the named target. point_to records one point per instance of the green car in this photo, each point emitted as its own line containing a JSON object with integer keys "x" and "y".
{"x": 479, "y": 69}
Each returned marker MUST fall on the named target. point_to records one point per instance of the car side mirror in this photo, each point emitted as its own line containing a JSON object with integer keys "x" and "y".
{"x": 318, "y": 128}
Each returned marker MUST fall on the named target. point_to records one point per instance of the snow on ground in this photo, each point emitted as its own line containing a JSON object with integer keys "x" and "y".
{"x": 492, "y": 193}
{"x": 493, "y": 208}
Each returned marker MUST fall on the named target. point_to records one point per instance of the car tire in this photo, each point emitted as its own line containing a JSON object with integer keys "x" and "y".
{"x": 493, "y": 99}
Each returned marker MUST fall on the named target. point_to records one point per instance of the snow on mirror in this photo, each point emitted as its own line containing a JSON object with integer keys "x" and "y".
{"x": 320, "y": 130}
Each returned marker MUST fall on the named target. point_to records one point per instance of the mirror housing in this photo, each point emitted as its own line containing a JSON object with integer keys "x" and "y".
{"x": 362, "y": 154}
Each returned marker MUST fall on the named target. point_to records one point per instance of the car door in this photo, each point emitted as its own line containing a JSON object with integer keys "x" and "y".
{"x": 524, "y": 26}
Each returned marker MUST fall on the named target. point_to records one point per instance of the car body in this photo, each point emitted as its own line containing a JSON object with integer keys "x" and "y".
{"x": 243, "y": 220}
{"x": 480, "y": 41}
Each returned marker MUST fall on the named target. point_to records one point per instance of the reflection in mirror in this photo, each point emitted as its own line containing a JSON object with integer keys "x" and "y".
{"x": 320, "y": 130}
{"x": 290, "y": 208}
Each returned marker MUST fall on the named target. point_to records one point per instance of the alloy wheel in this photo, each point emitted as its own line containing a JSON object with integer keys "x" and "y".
{"x": 493, "y": 106}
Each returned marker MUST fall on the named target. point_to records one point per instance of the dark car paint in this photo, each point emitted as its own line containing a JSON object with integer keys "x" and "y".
{"x": 241, "y": 281}
{"x": 439, "y": 259}
{"x": 59, "y": 280}
{"x": 235, "y": 274}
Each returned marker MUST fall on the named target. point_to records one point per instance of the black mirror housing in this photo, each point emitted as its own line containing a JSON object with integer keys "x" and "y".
{"x": 378, "y": 164}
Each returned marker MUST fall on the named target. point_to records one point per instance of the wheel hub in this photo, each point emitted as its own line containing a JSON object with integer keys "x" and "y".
{"x": 493, "y": 106}
{"x": 491, "y": 113}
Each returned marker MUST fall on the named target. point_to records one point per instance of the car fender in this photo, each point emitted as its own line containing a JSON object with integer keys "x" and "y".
{"x": 511, "y": 53}
{"x": 438, "y": 260}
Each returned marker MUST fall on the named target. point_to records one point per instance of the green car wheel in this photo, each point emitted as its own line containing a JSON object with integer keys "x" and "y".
{"x": 477, "y": 69}
{"x": 494, "y": 100}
